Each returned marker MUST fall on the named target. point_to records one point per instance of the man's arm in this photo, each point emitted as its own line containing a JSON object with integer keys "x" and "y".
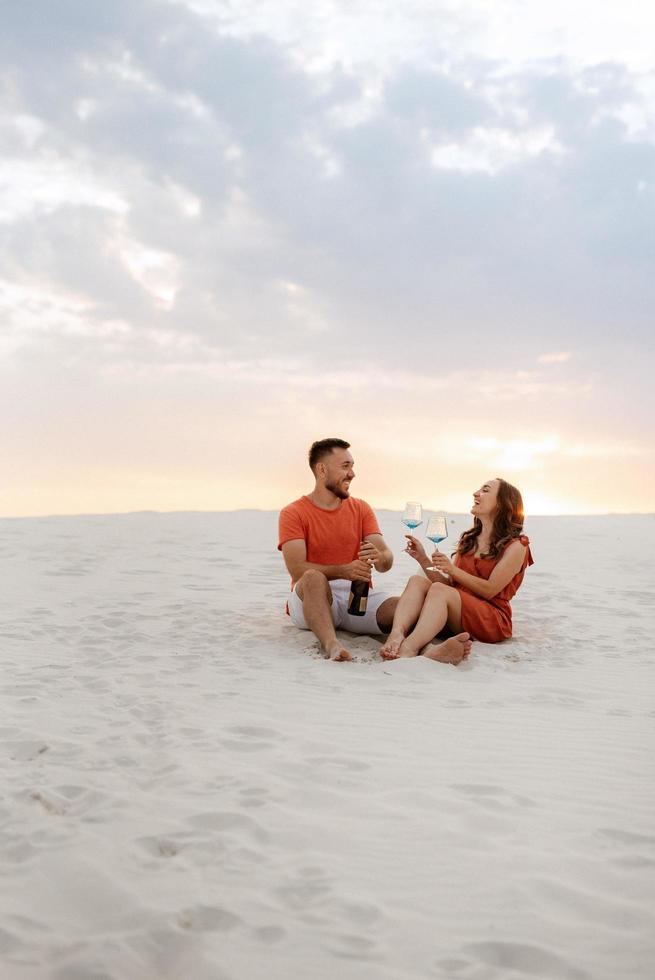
{"x": 376, "y": 550}
{"x": 295, "y": 558}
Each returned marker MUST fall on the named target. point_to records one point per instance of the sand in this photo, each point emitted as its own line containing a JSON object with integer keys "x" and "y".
{"x": 191, "y": 791}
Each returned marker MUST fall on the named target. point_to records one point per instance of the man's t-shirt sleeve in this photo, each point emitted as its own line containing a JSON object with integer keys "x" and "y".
{"x": 369, "y": 521}
{"x": 290, "y": 526}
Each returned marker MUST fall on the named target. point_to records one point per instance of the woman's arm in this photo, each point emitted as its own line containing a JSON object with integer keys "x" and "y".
{"x": 502, "y": 575}
{"x": 416, "y": 550}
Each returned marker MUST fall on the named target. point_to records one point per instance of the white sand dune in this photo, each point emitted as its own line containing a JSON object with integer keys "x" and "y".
{"x": 190, "y": 791}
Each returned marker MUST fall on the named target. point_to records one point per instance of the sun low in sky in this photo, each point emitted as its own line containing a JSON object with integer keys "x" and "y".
{"x": 230, "y": 229}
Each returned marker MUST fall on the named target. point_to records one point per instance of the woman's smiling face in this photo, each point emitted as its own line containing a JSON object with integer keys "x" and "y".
{"x": 485, "y": 499}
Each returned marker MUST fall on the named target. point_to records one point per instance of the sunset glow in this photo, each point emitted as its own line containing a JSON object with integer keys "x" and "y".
{"x": 229, "y": 232}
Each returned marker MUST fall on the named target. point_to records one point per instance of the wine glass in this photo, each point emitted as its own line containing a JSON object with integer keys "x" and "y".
{"x": 412, "y": 515}
{"x": 436, "y": 531}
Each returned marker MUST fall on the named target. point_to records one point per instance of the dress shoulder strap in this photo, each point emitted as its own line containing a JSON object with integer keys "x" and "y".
{"x": 525, "y": 540}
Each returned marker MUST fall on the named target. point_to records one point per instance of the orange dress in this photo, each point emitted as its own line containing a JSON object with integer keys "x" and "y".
{"x": 489, "y": 620}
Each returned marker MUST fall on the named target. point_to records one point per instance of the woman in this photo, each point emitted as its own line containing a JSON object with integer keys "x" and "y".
{"x": 470, "y": 596}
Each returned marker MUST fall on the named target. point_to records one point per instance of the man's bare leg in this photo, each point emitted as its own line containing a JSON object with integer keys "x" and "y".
{"x": 406, "y": 614}
{"x": 443, "y": 605}
{"x": 386, "y": 612}
{"x": 451, "y": 651}
{"x": 316, "y": 597}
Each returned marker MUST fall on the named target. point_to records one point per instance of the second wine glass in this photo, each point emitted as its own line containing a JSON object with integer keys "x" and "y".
{"x": 436, "y": 531}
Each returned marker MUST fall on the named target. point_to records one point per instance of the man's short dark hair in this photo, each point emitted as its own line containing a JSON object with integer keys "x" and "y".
{"x": 318, "y": 450}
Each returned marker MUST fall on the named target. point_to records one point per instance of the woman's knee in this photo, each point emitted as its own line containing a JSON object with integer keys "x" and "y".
{"x": 439, "y": 588}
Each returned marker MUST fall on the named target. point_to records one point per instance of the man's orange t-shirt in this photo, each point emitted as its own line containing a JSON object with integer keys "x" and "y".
{"x": 332, "y": 537}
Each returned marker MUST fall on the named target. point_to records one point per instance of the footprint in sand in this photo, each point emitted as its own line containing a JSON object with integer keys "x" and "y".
{"x": 71, "y": 792}
{"x": 252, "y": 731}
{"x": 352, "y": 947}
{"x": 229, "y": 822}
{"x": 336, "y": 762}
{"x": 634, "y": 850}
{"x": 49, "y": 802}
{"x": 207, "y": 918}
{"x": 254, "y": 796}
{"x": 311, "y": 886}
{"x": 18, "y": 853}
{"x": 610, "y": 912}
{"x": 8, "y": 942}
{"x": 450, "y": 966}
{"x": 628, "y": 837}
{"x": 522, "y": 959}
{"x": 26, "y": 751}
{"x": 492, "y": 797}
{"x": 362, "y": 914}
{"x": 310, "y": 895}
{"x": 162, "y": 847}
{"x": 249, "y": 738}
{"x": 269, "y": 934}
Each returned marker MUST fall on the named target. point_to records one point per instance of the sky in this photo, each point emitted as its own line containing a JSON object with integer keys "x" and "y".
{"x": 230, "y": 228}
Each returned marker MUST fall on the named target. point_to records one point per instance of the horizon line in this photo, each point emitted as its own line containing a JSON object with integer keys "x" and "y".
{"x": 261, "y": 510}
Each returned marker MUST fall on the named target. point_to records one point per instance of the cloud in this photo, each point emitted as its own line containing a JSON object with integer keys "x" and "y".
{"x": 492, "y": 150}
{"x": 43, "y": 184}
{"x": 155, "y": 271}
{"x": 608, "y": 452}
{"x": 337, "y": 204}
{"x": 515, "y": 454}
{"x": 432, "y": 98}
{"x": 460, "y": 177}
{"x": 555, "y": 357}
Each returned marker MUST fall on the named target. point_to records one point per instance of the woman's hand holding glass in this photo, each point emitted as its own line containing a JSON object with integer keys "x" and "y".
{"x": 415, "y": 549}
{"x": 441, "y": 563}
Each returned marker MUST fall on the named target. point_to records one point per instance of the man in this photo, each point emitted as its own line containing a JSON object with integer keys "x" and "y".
{"x": 329, "y": 539}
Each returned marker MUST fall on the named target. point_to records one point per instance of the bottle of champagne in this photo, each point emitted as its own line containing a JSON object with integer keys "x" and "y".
{"x": 358, "y": 598}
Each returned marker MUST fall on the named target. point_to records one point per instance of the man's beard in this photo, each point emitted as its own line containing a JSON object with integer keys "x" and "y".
{"x": 337, "y": 490}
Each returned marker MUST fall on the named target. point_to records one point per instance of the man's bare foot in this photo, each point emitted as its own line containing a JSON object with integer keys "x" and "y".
{"x": 389, "y": 650}
{"x": 337, "y": 652}
{"x": 451, "y": 651}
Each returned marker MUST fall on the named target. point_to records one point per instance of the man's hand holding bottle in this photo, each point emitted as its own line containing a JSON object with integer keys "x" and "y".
{"x": 368, "y": 552}
{"x": 359, "y": 570}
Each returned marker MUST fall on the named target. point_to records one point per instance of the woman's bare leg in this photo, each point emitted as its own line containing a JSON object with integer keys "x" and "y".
{"x": 442, "y": 606}
{"x": 406, "y": 614}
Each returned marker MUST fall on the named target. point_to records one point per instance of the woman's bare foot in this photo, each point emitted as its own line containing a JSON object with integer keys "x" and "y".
{"x": 389, "y": 650}
{"x": 337, "y": 652}
{"x": 407, "y": 650}
{"x": 451, "y": 651}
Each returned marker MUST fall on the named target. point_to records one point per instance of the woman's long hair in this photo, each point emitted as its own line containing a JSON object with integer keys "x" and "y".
{"x": 507, "y": 526}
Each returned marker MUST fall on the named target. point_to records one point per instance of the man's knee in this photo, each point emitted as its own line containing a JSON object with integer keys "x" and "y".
{"x": 385, "y": 613}
{"x": 312, "y": 582}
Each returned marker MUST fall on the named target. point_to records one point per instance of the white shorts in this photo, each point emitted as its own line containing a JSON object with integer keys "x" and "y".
{"x": 340, "y": 593}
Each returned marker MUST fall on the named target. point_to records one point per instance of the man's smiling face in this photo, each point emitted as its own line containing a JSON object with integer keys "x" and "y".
{"x": 339, "y": 472}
